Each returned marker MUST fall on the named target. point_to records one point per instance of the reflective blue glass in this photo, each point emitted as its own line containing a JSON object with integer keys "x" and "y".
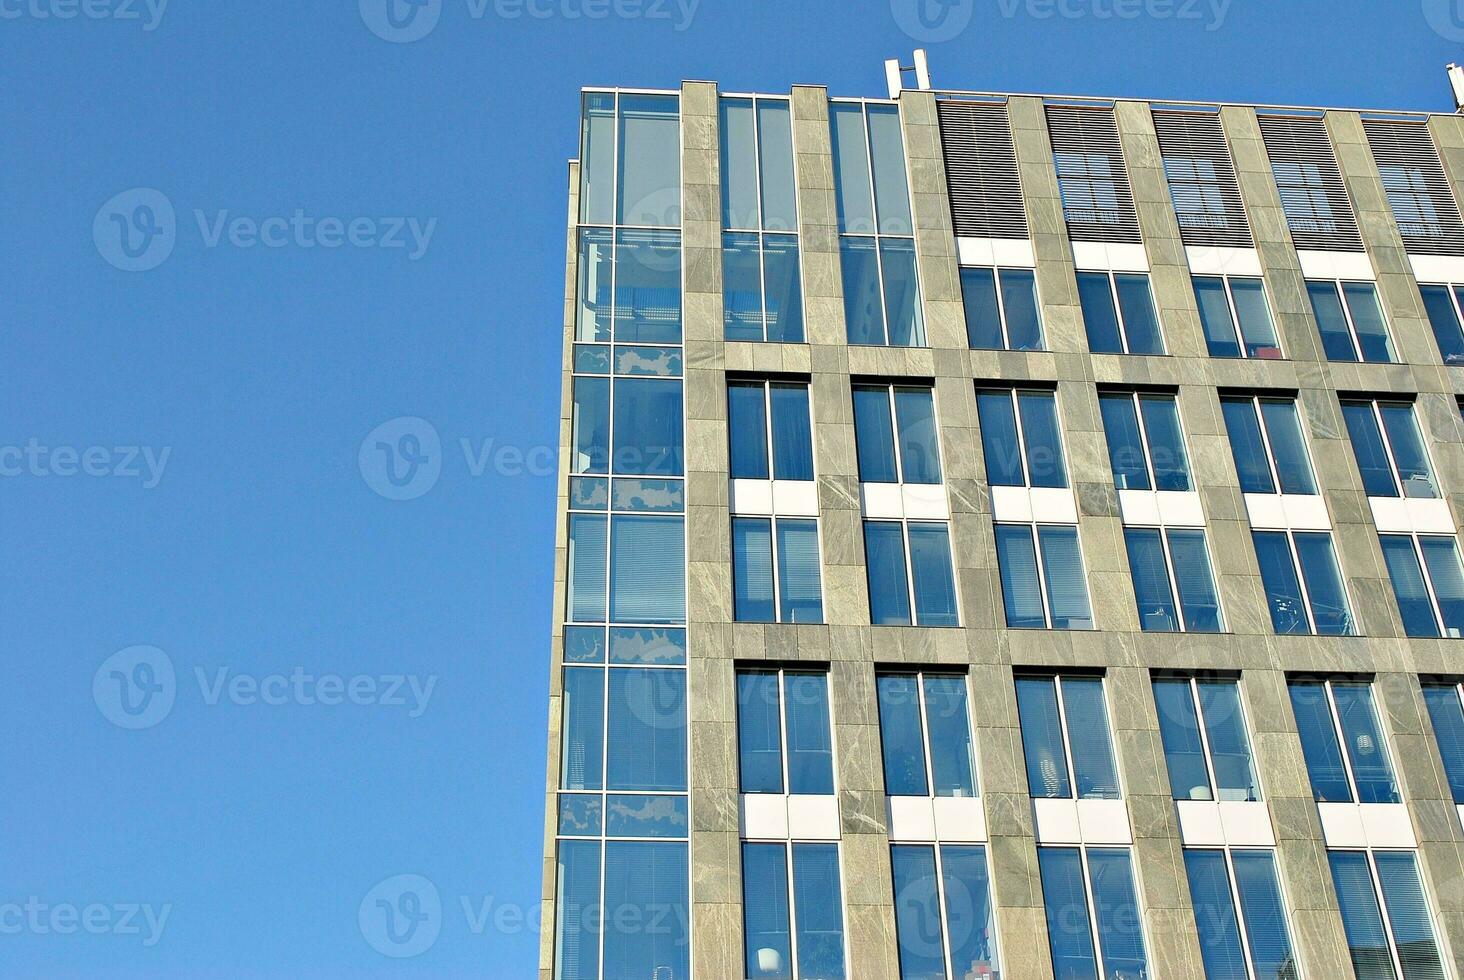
{"x": 818, "y": 911}
{"x": 902, "y": 293}
{"x": 1288, "y": 445}
{"x": 1323, "y": 579}
{"x": 889, "y": 589}
{"x": 1040, "y": 432}
{"x": 1069, "y": 930}
{"x": 970, "y": 919}
{"x": 1368, "y": 446}
{"x": 1445, "y": 322}
{"x": 1408, "y": 915}
{"x": 1199, "y": 602}
{"x": 1326, "y": 304}
{"x": 874, "y": 436}
{"x": 748, "y": 425}
{"x": 863, "y": 296}
{"x": 586, "y": 574}
{"x": 1089, "y": 738}
{"x": 784, "y": 289}
{"x": 765, "y": 919}
{"x": 1019, "y": 302}
{"x": 1366, "y": 749}
{"x": 649, "y": 646}
{"x": 1021, "y": 591}
{"x": 1409, "y": 589}
{"x": 647, "y": 816}
{"x": 648, "y": 286}
{"x": 1362, "y": 920}
{"x": 647, "y": 569}
{"x": 580, "y": 815}
{"x": 891, "y": 188}
{"x": 810, "y": 734}
{"x": 646, "y": 750}
{"x": 1264, "y": 915}
{"x": 597, "y": 156}
{"x": 919, "y": 440}
{"x": 646, "y": 882}
{"x": 999, "y": 439}
{"x": 1247, "y": 446}
{"x": 649, "y": 434}
{"x": 948, "y": 724}
{"x": 590, "y": 426}
{"x": 775, "y": 152}
{"x": 752, "y": 570}
{"x": 1220, "y": 946}
{"x": 739, "y": 164}
{"x": 1367, "y": 318}
{"x": 584, "y": 645}
{"x": 1257, "y": 328}
{"x": 1067, "y": 588}
{"x": 1116, "y": 907}
{"x": 1042, "y": 741}
{"x": 1151, "y": 580}
{"x": 983, "y": 315}
{"x": 650, "y": 160}
{"x": 800, "y": 597}
{"x": 1283, "y": 588}
{"x": 1441, "y": 555}
{"x": 582, "y": 749}
{"x": 852, "y": 184}
{"x": 577, "y": 905}
{"x": 1408, "y": 453}
{"x": 917, "y": 913}
{"x": 1140, "y": 320}
{"x": 1100, "y": 315}
{"x": 1125, "y": 442}
{"x": 935, "y": 581}
{"x": 594, "y": 318}
{"x": 900, "y": 735}
{"x": 1179, "y": 730}
{"x": 1319, "y": 746}
{"x": 1448, "y": 724}
{"x": 1230, "y": 752}
{"x": 759, "y": 732}
{"x": 1166, "y": 442}
{"x": 742, "y": 294}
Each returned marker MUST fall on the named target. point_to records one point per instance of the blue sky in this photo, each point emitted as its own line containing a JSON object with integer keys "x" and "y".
{"x": 182, "y": 465}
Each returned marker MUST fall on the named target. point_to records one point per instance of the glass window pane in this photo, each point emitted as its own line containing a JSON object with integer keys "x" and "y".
{"x": 647, "y": 881}
{"x": 1331, "y": 321}
{"x": 775, "y": 149}
{"x": 1016, "y": 558}
{"x": 647, "y": 730}
{"x": 1441, "y": 555}
{"x": 752, "y": 569}
{"x": 597, "y": 167}
{"x": 1140, "y": 321}
{"x": 1125, "y": 445}
{"x": 1445, "y": 322}
{"x": 759, "y": 732}
{"x": 650, "y": 160}
{"x": 800, "y": 596}
{"x": 935, "y": 581}
{"x": 1448, "y": 725}
{"x": 742, "y": 296}
{"x": 874, "y": 436}
{"x": 1283, "y": 588}
{"x": 1409, "y": 915}
{"x": 1019, "y": 299}
{"x": 647, "y": 816}
{"x": 1246, "y": 445}
{"x": 919, "y": 440}
{"x": 1257, "y": 328}
{"x": 1361, "y": 919}
{"x": 1198, "y": 599}
{"x": 1363, "y": 737}
{"x": 900, "y": 735}
{"x": 1230, "y": 753}
{"x": 1209, "y": 884}
{"x": 1042, "y": 744}
{"x": 1166, "y": 442}
{"x": 1367, "y": 318}
{"x": 1408, "y": 585}
{"x": 649, "y": 434}
{"x": 587, "y": 541}
{"x": 593, "y": 320}
{"x": 739, "y": 165}
{"x": 765, "y": 923}
{"x": 1264, "y": 914}
{"x": 1089, "y": 738}
{"x": 748, "y": 424}
{"x": 1067, "y": 588}
{"x": 999, "y": 439}
{"x": 1323, "y": 580}
{"x": 792, "y": 432}
{"x": 810, "y": 735}
{"x": 647, "y": 570}
{"x": 1100, "y": 316}
{"x": 1319, "y": 741}
{"x": 590, "y": 426}
{"x": 577, "y": 908}
{"x": 784, "y": 289}
{"x": 1042, "y": 436}
{"x": 1220, "y": 336}
{"x": 891, "y": 190}
{"x": 948, "y": 722}
{"x": 648, "y": 286}
{"x": 863, "y": 293}
{"x": 818, "y": 911}
{"x": 851, "y": 171}
{"x": 1151, "y": 580}
{"x": 983, "y": 318}
{"x": 1288, "y": 445}
{"x": 582, "y": 754}
{"x": 1179, "y": 729}
{"x": 584, "y": 645}
{"x": 889, "y": 589}
{"x": 917, "y": 913}
{"x": 1116, "y": 906}
{"x": 902, "y": 293}
{"x": 970, "y": 917}
{"x": 1069, "y": 930}
{"x": 1368, "y": 446}
{"x": 1409, "y": 456}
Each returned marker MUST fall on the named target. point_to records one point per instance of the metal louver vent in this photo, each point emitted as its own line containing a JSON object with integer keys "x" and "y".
{"x": 1315, "y": 200}
{"x": 1096, "y": 198}
{"x": 1418, "y": 191}
{"x": 1202, "y": 180}
{"x": 981, "y": 170}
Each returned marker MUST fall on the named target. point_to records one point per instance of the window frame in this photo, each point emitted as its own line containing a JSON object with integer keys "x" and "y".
{"x": 1001, "y": 312}
{"x": 1340, "y": 288}
{"x": 1035, "y": 528}
{"x": 1095, "y": 932}
{"x": 782, "y": 675}
{"x": 1135, "y": 397}
{"x": 1056, "y": 679}
{"x": 919, "y": 675}
{"x": 1375, "y": 406}
{"x": 1452, "y": 290}
{"x": 1339, "y": 736}
{"x": 1015, "y": 393}
{"x": 943, "y": 906}
{"x": 1237, "y": 908}
{"x": 1455, "y": 687}
{"x": 1415, "y": 540}
{"x": 770, "y": 451}
{"x": 912, "y": 593}
{"x": 1299, "y": 571}
{"x": 1192, "y": 682}
{"x": 774, "y": 554}
{"x": 1380, "y": 898}
{"x": 891, "y": 389}
{"x": 791, "y": 897}
{"x": 1163, "y": 530}
{"x": 1255, "y": 401}
{"x": 1121, "y": 318}
{"x": 1226, "y": 280}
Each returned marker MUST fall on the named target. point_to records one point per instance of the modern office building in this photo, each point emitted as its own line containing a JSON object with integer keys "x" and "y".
{"x": 1008, "y": 536}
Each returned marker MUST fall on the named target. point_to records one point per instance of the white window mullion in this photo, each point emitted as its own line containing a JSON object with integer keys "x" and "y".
{"x": 1245, "y": 947}
{"x": 1341, "y": 734}
{"x": 925, "y": 735}
{"x": 1297, "y": 570}
{"x": 1067, "y": 749}
{"x": 1428, "y": 585}
{"x": 1035, "y": 530}
{"x": 909, "y": 571}
{"x": 1117, "y": 306}
{"x": 1255, "y": 403}
{"x": 940, "y": 909}
{"x": 1006, "y": 339}
{"x": 1144, "y": 438}
{"x": 1194, "y": 686}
